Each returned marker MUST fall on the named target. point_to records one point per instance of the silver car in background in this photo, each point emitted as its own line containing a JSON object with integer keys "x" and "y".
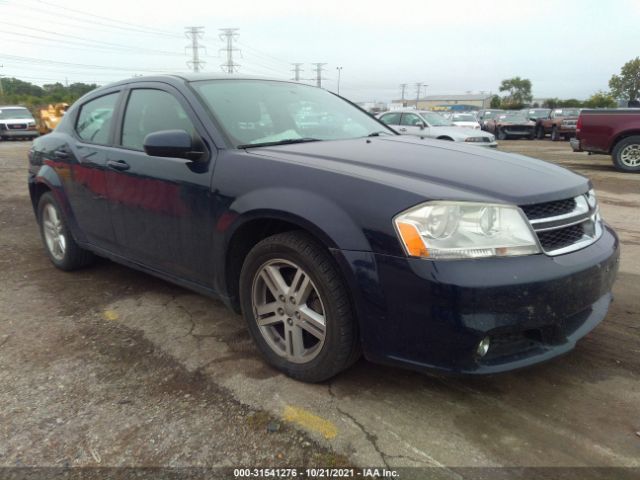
{"x": 428, "y": 124}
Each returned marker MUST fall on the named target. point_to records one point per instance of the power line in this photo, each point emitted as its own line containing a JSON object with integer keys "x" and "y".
{"x": 108, "y": 19}
{"x": 229, "y": 35}
{"x": 79, "y": 21}
{"x": 100, "y": 43}
{"x": 195, "y": 34}
{"x": 319, "y": 78}
{"x": 41, "y": 61}
{"x": 85, "y": 46}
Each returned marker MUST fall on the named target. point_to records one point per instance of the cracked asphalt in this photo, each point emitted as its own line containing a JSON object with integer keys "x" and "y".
{"x": 111, "y": 367}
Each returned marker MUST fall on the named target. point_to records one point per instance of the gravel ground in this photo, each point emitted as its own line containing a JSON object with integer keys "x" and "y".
{"x": 112, "y": 367}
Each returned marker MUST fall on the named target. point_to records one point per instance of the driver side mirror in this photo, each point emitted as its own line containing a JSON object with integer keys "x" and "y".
{"x": 171, "y": 143}
{"x": 422, "y": 125}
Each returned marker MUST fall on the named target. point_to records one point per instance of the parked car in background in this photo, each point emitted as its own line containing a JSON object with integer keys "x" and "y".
{"x": 17, "y": 123}
{"x": 560, "y": 123}
{"x": 331, "y": 238}
{"x": 484, "y": 116}
{"x": 511, "y": 125}
{"x": 536, "y": 113}
{"x": 428, "y": 124}
{"x": 467, "y": 120}
{"x": 610, "y": 131}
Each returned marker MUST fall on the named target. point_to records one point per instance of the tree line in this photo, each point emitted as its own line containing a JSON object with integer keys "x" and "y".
{"x": 625, "y": 87}
{"x": 19, "y": 92}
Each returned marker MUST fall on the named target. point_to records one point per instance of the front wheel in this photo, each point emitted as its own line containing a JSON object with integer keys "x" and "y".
{"x": 502, "y": 135}
{"x": 540, "y": 133}
{"x": 61, "y": 248}
{"x": 626, "y": 154}
{"x": 555, "y": 135}
{"x": 297, "y": 307}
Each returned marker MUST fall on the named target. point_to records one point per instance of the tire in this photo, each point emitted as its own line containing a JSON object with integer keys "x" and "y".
{"x": 501, "y": 134}
{"x": 58, "y": 242}
{"x": 540, "y": 133}
{"x": 289, "y": 259}
{"x": 626, "y": 154}
{"x": 555, "y": 136}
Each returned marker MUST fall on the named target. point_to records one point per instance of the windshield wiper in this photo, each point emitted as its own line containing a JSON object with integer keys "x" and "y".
{"x": 288, "y": 141}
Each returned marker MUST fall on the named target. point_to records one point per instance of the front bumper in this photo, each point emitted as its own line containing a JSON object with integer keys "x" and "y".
{"x": 575, "y": 144}
{"x": 426, "y": 315}
{"x": 19, "y": 133}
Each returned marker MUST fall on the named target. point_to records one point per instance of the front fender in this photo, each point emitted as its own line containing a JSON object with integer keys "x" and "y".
{"x": 320, "y": 215}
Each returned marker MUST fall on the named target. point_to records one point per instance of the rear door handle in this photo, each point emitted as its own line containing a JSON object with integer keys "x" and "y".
{"x": 61, "y": 154}
{"x": 118, "y": 164}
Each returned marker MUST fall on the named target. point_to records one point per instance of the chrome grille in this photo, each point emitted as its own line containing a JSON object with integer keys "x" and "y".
{"x": 549, "y": 209}
{"x": 566, "y": 225}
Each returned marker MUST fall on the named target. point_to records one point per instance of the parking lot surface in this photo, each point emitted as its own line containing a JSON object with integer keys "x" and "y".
{"x": 109, "y": 366}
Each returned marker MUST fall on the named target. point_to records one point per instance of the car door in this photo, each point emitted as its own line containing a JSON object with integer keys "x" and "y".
{"x": 161, "y": 207}
{"x": 412, "y": 124}
{"x": 86, "y": 153}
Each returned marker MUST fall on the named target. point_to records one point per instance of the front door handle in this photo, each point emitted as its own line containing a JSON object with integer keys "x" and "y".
{"x": 118, "y": 164}
{"x": 402, "y": 129}
{"x": 61, "y": 154}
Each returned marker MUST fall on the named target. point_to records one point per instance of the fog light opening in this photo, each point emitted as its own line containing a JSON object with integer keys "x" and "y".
{"x": 483, "y": 347}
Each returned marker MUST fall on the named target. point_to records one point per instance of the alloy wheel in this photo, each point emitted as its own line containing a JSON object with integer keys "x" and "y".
{"x": 630, "y": 155}
{"x": 288, "y": 310}
{"x": 53, "y": 232}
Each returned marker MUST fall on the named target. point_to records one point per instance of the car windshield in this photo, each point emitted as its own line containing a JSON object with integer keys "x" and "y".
{"x": 17, "y": 113}
{"x": 513, "y": 118}
{"x": 569, "y": 112}
{"x": 537, "y": 113}
{"x": 464, "y": 117}
{"x": 490, "y": 115}
{"x": 435, "y": 119}
{"x": 265, "y": 112}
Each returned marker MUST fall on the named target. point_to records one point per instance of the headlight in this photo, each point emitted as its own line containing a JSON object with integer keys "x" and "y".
{"x": 474, "y": 139}
{"x": 453, "y": 230}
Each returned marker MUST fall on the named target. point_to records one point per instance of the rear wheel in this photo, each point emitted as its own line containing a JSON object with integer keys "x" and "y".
{"x": 61, "y": 248}
{"x": 626, "y": 154}
{"x": 297, "y": 308}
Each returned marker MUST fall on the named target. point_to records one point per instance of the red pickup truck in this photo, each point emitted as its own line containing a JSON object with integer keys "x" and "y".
{"x": 615, "y": 132}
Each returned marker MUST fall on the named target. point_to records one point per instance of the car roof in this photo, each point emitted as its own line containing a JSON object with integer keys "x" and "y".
{"x": 194, "y": 77}
{"x": 12, "y": 107}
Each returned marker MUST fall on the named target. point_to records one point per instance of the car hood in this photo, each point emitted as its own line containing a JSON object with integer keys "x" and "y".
{"x": 457, "y": 132}
{"x": 435, "y": 169}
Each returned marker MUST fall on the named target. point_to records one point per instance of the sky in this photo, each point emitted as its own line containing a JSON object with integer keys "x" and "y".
{"x": 567, "y": 49}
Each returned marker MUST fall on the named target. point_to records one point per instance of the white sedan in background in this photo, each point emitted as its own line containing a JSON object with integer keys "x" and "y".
{"x": 467, "y": 120}
{"x": 427, "y": 124}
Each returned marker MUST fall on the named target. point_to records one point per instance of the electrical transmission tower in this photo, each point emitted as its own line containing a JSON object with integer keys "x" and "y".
{"x": 296, "y": 71}
{"x": 318, "y": 78}
{"x": 229, "y": 35}
{"x": 403, "y": 87}
{"x": 195, "y": 34}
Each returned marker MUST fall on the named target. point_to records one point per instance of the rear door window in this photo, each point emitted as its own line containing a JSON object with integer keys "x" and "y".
{"x": 96, "y": 118}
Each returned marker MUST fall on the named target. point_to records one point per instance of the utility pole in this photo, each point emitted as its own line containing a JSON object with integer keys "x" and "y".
{"x": 1, "y": 87}
{"x": 194, "y": 34}
{"x": 229, "y": 35}
{"x": 418, "y": 88}
{"x": 296, "y": 71}
{"x": 339, "y": 72}
{"x": 319, "y": 73}
{"x": 403, "y": 87}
